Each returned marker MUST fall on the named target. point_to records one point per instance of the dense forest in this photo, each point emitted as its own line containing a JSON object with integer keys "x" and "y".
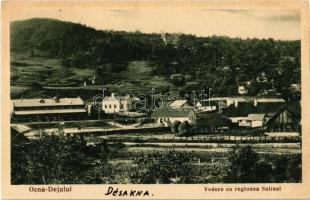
{"x": 186, "y": 61}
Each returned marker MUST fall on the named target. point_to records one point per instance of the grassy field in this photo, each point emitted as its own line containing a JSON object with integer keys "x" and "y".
{"x": 138, "y": 77}
{"x": 26, "y": 69}
{"x": 69, "y": 81}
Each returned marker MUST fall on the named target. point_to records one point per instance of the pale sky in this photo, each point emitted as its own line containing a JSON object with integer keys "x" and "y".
{"x": 264, "y": 23}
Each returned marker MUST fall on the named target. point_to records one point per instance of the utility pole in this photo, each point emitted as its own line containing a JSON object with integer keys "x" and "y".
{"x": 103, "y": 93}
{"x": 209, "y": 96}
{"x": 114, "y": 118}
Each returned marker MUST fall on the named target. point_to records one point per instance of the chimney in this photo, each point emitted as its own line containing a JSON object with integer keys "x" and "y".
{"x": 236, "y": 103}
{"x": 255, "y": 102}
{"x": 112, "y": 94}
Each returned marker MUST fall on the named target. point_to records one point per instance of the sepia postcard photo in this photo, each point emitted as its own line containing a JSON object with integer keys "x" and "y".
{"x": 155, "y": 100}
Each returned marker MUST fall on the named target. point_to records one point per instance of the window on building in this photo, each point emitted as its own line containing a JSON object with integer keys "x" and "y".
{"x": 115, "y": 106}
{"x": 105, "y": 106}
{"x": 110, "y": 106}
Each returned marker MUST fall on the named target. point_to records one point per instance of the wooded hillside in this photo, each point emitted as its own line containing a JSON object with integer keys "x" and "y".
{"x": 188, "y": 62}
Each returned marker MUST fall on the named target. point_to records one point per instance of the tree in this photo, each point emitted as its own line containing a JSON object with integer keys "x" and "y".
{"x": 175, "y": 127}
{"x": 184, "y": 128}
{"x": 294, "y": 169}
{"x": 263, "y": 172}
{"x": 288, "y": 168}
{"x": 177, "y": 79}
{"x": 213, "y": 121}
{"x": 280, "y": 169}
{"x": 36, "y": 86}
{"x": 242, "y": 165}
{"x": 169, "y": 167}
{"x": 53, "y": 159}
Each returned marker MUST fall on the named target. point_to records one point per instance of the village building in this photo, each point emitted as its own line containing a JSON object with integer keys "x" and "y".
{"x": 206, "y": 106}
{"x": 115, "y": 104}
{"x": 262, "y": 78}
{"x": 218, "y": 103}
{"x": 55, "y": 109}
{"x": 273, "y": 113}
{"x": 252, "y": 120}
{"x": 295, "y": 87}
{"x": 268, "y": 106}
{"x": 166, "y": 115}
{"x": 286, "y": 119}
{"x": 242, "y": 90}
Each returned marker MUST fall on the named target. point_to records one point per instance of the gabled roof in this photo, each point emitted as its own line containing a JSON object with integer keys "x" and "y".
{"x": 47, "y": 102}
{"x": 270, "y": 100}
{"x": 289, "y": 107}
{"x": 295, "y": 108}
{"x": 256, "y": 117}
{"x": 120, "y": 98}
{"x": 47, "y": 112}
{"x": 178, "y": 103}
{"x": 111, "y": 98}
{"x": 238, "y": 99}
{"x": 268, "y": 108}
{"x": 206, "y": 102}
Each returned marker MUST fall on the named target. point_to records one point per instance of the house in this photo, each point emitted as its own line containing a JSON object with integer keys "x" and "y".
{"x": 286, "y": 119}
{"x": 206, "y": 106}
{"x": 242, "y": 90}
{"x": 218, "y": 103}
{"x": 254, "y": 113}
{"x": 166, "y": 115}
{"x": 252, "y": 120}
{"x": 114, "y": 104}
{"x": 262, "y": 78}
{"x": 48, "y": 109}
{"x": 212, "y": 104}
{"x": 268, "y": 106}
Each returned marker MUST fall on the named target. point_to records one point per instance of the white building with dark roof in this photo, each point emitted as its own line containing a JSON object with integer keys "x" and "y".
{"x": 252, "y": 120}
{"x": 117, "y": 104}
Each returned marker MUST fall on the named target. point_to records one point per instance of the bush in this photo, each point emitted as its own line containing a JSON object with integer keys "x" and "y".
{"x": 169, "y": 167}
{"x": 54, "y": 159}
{"x": 184, "y": 128}
{"x": 175, "y": 127}
{"x": 242, "y": 165}
{"x": 263, "y": 172}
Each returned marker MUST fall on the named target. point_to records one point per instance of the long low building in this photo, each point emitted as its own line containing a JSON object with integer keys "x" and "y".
{"x": 54, "y": 109}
